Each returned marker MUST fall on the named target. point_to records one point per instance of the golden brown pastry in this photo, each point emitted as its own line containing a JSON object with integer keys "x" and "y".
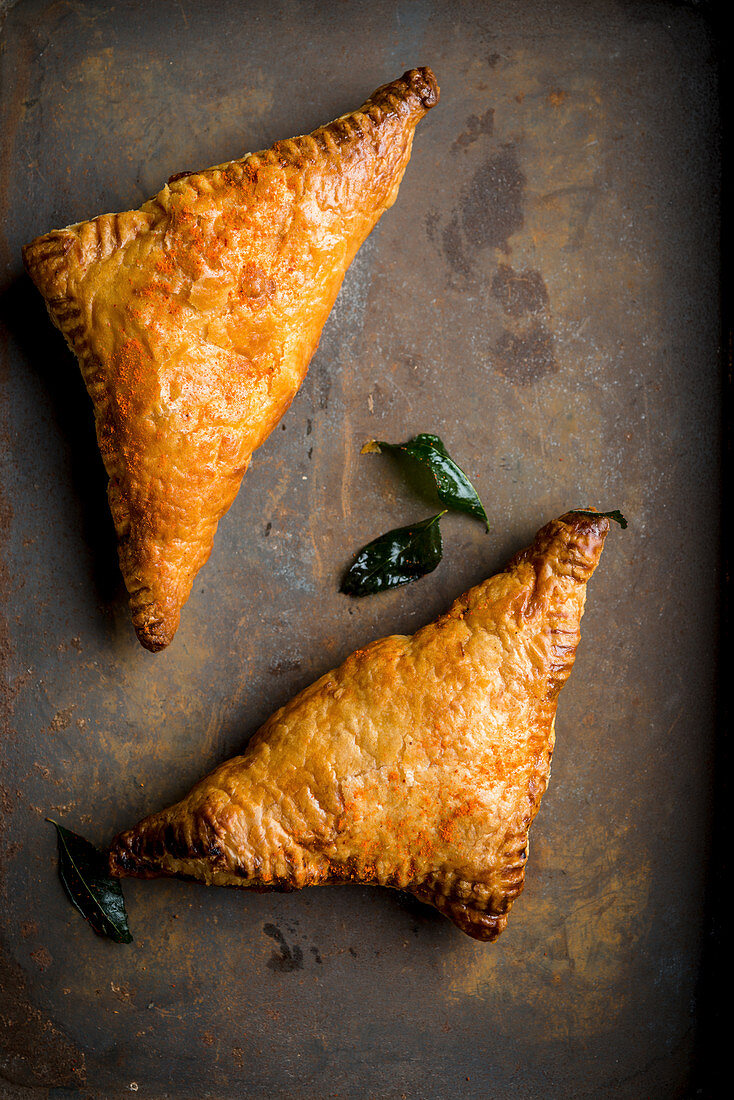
{"x": 419, "y": 763}
{"x": 195, "y": 317}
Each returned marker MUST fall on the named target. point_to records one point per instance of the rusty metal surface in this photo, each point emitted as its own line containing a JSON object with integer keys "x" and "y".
{"x": 543, "y": 295}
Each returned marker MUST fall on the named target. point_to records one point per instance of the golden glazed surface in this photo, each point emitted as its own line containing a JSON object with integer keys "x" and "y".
{"x": 419, "y": 763}
{"x": 194, "y": 320}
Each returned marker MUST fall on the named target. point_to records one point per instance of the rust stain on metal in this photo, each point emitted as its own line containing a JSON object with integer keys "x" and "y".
{"x": 25, "y": 1030}
{"x": 489, "y": 213}
{"x": 519, "y": 292}
{"x": 476, "y": 125}
{"x": 525, "y": 357}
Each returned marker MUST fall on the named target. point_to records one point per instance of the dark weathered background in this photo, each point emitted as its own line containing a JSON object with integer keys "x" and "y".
{"x": 543, "y": 295}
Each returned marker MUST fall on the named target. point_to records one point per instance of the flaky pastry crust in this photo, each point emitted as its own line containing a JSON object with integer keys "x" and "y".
{"x": 195, "y": 317}
{"x": 419, "y": 763}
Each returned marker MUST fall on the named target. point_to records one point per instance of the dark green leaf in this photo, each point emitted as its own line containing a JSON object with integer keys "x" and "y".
{"x": 86, "y": 880}
{"x": 452, "y": 484}
{"x": 395, "y": 558}
{"x": 615, "y": 515}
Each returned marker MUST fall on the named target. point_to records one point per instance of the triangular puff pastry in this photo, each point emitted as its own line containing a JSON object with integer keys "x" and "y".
{"x": 419, "y": 763}
{"x": 195, "y": 317}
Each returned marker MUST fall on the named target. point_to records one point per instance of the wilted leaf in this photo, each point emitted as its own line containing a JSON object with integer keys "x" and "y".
{"x": 89, "y": 887}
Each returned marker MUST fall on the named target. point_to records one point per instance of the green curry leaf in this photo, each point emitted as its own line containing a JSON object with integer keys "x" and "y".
{"x": 395, "y": 558}
{"x": 86, "y": 880}
{"x": 452, "y": 484}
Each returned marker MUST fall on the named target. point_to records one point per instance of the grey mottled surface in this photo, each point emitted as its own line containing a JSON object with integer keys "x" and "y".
{"x": 544, "y": 296}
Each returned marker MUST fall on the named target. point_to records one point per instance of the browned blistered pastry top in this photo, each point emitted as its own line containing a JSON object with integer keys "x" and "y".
{"x": 419, "y": 763}
{"x": 194, "y": 319}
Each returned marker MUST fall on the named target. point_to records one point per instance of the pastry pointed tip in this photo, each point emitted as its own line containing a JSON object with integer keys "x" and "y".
{"x": 571, "y": 544}
{"x": 423, "y": 82}
{"x": 133, "y": 853}
{"x": 151, "y": 640}
{"x": 155, "y": 630}
{"x": 417, "y": 89}
{"x": 587, "y": 520}
{"x": 117, "y": 857}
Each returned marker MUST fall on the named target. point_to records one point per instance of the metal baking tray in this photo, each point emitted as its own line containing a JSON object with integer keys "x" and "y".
{"x": 574, "y": 156}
